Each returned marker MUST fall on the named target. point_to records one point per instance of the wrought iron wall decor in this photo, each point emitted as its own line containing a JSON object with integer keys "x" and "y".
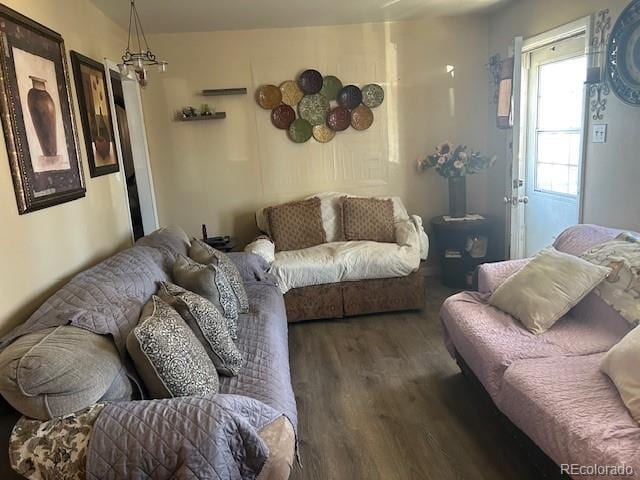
{"x": 318, "y": 107}
{"x": 596, "y": 81}
{"x": 623, "y": 58}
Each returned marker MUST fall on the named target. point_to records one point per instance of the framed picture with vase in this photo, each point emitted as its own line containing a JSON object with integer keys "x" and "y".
{"x": 95, "y": 112}
{"x": 37, "y": 114}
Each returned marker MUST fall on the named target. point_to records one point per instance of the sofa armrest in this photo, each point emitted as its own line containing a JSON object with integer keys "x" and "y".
{"x": 492, "y": 275}
{"x": 264, "y": 247}
{"x": 252, "y": 267}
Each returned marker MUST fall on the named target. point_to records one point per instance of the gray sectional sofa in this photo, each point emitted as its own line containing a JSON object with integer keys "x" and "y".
{"x": 247, "y": 430}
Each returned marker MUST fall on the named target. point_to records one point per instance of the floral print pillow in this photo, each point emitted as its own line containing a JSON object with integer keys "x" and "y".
{"x": 55, "y": 448}
{"x": 621, "y": 289}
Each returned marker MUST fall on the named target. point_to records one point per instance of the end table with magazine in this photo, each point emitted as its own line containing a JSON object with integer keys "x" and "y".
{"x": 463, "y": 243}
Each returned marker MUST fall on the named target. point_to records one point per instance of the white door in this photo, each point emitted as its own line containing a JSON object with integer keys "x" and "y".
{"x": 545, "y": 188}
{"x": 554, "y": 135}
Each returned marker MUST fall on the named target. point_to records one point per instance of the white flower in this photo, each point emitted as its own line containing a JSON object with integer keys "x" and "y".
{"x": 458, "y": 164}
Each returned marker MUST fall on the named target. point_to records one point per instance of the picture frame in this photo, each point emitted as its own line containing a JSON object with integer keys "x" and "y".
{"x": 504, "y": 113}
{"x": 37, "y": 114}
{"x": 96, "y": 115}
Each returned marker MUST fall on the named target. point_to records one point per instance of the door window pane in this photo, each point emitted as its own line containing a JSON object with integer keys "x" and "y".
{"x": 560, "y": 112}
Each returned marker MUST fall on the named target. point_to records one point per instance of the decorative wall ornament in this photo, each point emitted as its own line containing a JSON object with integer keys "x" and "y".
{"x": 598, "y": 93}
{"x": 37, "y": 114}
{"x": 324, "y": 106}
{"x": 598, "y": 87}
{"x": 623, "y": 55}
{"x": 494, "y": 66}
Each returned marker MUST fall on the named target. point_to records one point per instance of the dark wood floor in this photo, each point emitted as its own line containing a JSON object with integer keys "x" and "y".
{"x": 380, "y": 398}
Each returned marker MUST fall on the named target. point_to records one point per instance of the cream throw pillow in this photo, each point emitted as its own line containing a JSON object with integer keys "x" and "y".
{"x": 547, "y": 288}
{"x": 621, "y": 364}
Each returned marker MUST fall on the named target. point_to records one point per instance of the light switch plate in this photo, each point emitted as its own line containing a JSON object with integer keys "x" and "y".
{"x": 600, "y": 133}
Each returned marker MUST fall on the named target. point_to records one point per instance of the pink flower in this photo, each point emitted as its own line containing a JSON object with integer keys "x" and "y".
{"x": 443, "y": 159}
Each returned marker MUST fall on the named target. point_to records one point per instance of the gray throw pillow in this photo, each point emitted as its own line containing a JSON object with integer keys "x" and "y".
{"x": 61, "y": 370}
{"x": 203, "y": 253}
{"x": 209, "y": 282}
{"x": 208, "y": 324}
{"x": 170, "y": 359}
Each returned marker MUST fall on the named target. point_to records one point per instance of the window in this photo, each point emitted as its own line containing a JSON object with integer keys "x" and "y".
{"x": 559, "y": 121}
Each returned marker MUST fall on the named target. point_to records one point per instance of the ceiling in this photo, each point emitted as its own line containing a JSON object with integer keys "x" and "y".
{"x": 163, "y": 16}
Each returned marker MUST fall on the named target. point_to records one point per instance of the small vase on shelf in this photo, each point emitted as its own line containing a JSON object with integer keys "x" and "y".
{"x": 457, "y": 197}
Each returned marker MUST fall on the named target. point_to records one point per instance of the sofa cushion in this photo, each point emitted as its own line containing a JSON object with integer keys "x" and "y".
{"x": 368, "y": 219}
{"x": 170, "y": 359}
{"x": 547, "y": 288}
{"x": 621, "y": 364}
{"x": 621, "y": 289}
{"x": 296, "y": 225}
{"x": 61, "y": 370}
{"x": 490, "y": 340}
{"x": 209, "y": 282}
{"x": 205, "y": 254}
{"x": 571, "y": 410}
{"x": 208, "y": 324}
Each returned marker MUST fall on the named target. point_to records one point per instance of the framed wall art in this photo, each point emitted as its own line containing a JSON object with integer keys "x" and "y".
{"x": 37, "y": 114}
{"x": 95, "y": 112}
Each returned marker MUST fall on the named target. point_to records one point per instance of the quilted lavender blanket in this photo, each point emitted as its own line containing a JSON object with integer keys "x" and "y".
{"x": 212, "y": 437}
{"x": 189, "y": 437}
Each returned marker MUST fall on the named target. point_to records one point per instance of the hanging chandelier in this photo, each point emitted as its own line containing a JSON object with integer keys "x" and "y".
{"x": 135, "y": 63}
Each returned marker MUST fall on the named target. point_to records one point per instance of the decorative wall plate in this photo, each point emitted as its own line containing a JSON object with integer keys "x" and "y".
{"x": 300, "y": 130}
{"x": 310, "y": 81}
{"x": 323, "y": 134}
{"x": 361, "y": 117}
{"x": 268, "y": 96}
{"x": 314, "y": 108}
{"x": 623, "y": 69}
{"x": 350, "y": 97}
{"x": 282, "y": 116}
{"x": 339, "y": 119}
{"x": 372, "y": 95}
{"x": 331, "y": 86}
{"x": 291, "y": 93}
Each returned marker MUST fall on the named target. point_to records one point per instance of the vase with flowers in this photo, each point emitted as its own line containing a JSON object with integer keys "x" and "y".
{"x": 455, "y": 164}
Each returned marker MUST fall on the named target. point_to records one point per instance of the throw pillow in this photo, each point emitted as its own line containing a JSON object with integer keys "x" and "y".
{"x": 296, "y": 225}
{"x": 368, "y": 219}
{"x": 621, "y": 289}
{"x": 168, "y": 356}
{"x": 209, "y": 282}
{"x": 621, "y": 365}
{"x": 208, "y": 324}
{"x": 205, "y": 254}
{"x": 547, "y": 288}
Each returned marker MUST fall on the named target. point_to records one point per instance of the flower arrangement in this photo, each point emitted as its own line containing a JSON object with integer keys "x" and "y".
{"x": 458, "y": 162}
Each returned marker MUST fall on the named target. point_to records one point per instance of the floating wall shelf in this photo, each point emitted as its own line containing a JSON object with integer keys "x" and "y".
{"x": 215, "y": 116}
{"x": 224, "y": 91}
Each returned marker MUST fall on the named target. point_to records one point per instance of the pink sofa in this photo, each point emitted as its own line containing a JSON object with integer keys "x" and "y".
{"x": 549, "y": 386}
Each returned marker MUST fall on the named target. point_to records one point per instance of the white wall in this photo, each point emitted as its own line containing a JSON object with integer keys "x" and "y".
{"x": 220, "y": 172}
{"x": 40, "y": 250}
{"x": 612, "y": 170}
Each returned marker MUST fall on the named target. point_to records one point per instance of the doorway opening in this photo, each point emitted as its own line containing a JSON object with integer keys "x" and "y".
{"x": 548, "y": 160}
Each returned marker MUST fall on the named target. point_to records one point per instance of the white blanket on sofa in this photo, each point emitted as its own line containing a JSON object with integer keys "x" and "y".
{"x": 347, "y": 261}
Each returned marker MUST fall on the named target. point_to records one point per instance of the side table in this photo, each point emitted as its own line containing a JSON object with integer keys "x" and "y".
{"x": 462, "y": 245}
